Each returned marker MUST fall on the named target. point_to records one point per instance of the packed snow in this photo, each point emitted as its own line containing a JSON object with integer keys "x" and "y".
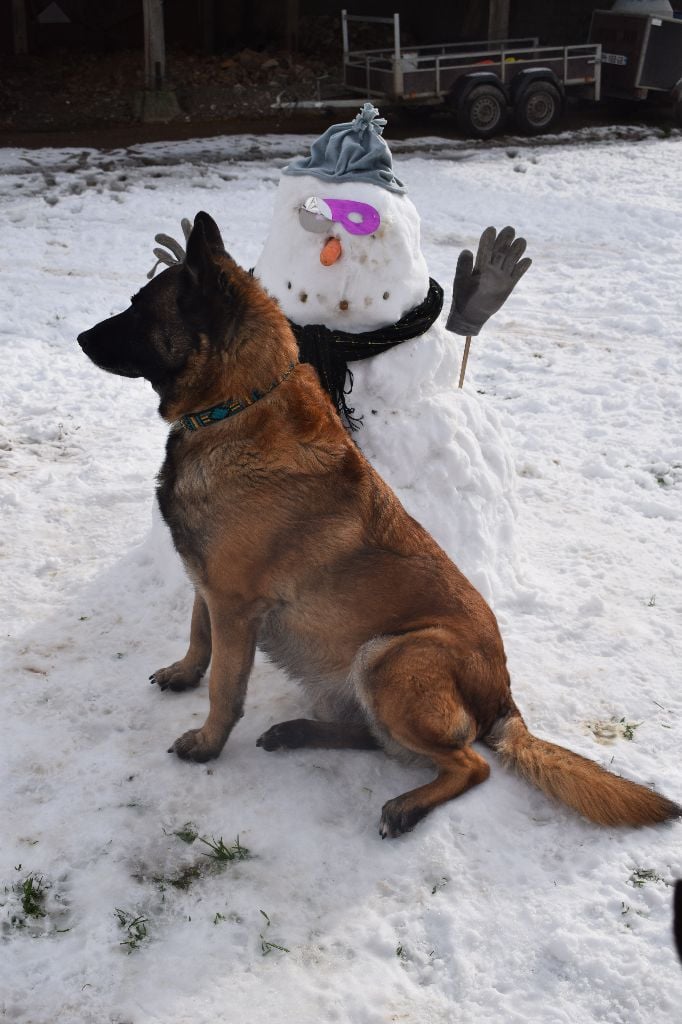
{"x": 499, "y": 906}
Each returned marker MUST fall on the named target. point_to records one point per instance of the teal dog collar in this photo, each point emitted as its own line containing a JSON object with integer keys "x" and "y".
{"x": 223, "y": 411}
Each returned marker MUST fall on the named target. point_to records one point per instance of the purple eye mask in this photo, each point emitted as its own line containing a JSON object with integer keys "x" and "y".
{"x": 357, "y": 218}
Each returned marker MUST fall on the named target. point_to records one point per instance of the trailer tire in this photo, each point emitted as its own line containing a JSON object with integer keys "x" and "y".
{"x": 537, "y": 108}
{"x": 677, "y": 111}
{"x": 482, "y": 111}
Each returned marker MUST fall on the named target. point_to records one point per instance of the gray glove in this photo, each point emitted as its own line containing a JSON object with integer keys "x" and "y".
{"x": 479, "y": 291}
{"x": 176, "y": 254}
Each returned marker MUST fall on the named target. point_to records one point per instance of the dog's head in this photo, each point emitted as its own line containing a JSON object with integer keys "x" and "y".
{"x": 185, "y": 330}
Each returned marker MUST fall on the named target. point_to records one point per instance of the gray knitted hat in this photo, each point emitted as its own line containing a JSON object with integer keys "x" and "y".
{"x": 354, "y": 151}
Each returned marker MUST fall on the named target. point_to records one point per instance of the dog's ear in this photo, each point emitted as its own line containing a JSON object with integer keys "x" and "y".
{"x": 204, "y": 245}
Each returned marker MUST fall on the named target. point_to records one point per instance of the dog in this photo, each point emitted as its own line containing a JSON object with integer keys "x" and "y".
{"x": 295, "y": 545}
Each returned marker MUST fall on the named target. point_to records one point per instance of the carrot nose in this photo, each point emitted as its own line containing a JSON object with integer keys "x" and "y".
{"x": 331, "y": 252}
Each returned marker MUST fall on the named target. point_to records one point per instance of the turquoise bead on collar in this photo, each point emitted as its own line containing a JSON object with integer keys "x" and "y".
{"x": 223, "y": 411}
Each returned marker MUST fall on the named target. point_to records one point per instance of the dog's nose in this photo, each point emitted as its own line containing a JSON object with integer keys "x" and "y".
{"x": 83, "y": 339}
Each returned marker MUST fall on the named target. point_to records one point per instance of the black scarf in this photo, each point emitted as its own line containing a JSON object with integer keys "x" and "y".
{"x": 330, "y": 351}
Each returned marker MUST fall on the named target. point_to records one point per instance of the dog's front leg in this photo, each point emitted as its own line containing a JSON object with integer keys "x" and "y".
{"x": 234, "y": 644}
{"x": 187, "y": 673}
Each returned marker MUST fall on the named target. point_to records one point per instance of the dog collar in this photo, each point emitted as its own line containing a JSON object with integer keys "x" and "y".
{"x": 218, "y": 413}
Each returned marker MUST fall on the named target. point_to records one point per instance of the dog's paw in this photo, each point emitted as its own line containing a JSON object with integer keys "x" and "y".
{"x": 285, "y": 736}
{"x": 194, "y": 746}
{"x": 177, "y": 676}
{"x": 398, "y": 817}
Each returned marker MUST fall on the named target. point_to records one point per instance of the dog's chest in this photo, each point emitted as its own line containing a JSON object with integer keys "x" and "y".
{"x": 207, "y": 497}
{"x": 184, "y": 495}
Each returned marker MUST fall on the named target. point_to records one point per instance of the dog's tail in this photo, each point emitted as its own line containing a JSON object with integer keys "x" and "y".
{"x": 599, "y": 795}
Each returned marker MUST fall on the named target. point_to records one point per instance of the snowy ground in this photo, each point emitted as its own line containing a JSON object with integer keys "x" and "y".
{"x": 500, "y": 907}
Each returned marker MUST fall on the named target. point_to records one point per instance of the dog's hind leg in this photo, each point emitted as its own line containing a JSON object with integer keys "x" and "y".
{"x": 307, "y": 732}
{"x": 187, "y": 673}
{"x": 408, "y": 686}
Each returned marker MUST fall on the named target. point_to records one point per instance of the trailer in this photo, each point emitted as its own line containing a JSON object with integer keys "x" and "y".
{"x": 647, "y": 39}
{"x": 478, "y": 81}
{"x": 482, "y": 82}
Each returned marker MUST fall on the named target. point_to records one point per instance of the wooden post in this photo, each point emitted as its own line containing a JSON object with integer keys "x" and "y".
{"x": 498, "y": 19}
{"x": 20, "y": 26}
{"x": 465, "y": 360}
{"x": 156, "y": 102}
{"x": 154, "y": 44}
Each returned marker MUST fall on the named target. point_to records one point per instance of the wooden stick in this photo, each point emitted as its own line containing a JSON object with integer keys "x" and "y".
{"x": 465, "y": 357}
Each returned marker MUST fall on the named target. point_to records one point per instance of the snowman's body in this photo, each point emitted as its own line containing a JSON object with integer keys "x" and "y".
{"x": 440, "y": 448}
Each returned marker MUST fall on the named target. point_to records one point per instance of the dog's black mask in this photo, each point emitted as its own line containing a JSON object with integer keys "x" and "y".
{"x": 154, "y": 337}
{"x": 151, "y": 338}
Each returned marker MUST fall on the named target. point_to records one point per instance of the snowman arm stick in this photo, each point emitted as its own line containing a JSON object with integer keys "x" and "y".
{"x": 465, "y": 360}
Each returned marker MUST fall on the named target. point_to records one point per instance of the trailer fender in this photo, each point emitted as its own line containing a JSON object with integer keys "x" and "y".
{"x": 523, "y": 79}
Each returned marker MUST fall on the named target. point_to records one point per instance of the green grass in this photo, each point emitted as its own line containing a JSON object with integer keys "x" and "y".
{"x": 187, "y": 833}
{"x": 182, "y": 880}
{"x": 224, "y": 854}
{"x": 135, "y": 927}
{"x": 628, "y": 729}
{"x": 266, "y": 945}
{"x": 32, "y": 893}
{"x": 640, "y": 876}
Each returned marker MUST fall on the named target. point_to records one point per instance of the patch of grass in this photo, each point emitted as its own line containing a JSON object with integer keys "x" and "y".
{"x": 32, "y": 893}
{"x": 628, "y": 729}
{"x": 609, "y": 730}
{"x": 135, "y": 927}
{"x": 640, "y": 876}
{"x": 266, "y": 945}
{"x": 182, "y": 880}
{"x": 187, "y": 833}
{"x": 400, "y": 952}
{"x": 222, "y": 853}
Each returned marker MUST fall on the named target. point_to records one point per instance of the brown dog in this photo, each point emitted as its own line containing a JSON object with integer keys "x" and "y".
{"x": 295, "y": 544}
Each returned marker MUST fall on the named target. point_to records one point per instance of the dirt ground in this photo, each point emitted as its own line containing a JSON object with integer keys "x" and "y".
{"x": 86, "y": 99}
{"x": 92, "y": 96}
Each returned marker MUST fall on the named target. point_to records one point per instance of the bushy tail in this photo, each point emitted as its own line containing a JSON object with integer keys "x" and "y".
{"x": 576, "y": 781}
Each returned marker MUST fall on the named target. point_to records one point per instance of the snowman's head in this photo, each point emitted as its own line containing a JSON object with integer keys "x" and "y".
{"x": 343, "y": 248}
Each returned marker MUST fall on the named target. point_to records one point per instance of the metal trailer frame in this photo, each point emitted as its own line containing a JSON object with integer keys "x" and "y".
{"x": 446, "y": 62}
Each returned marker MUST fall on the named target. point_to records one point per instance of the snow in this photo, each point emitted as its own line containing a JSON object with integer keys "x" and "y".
{"x": 499, "y": 906}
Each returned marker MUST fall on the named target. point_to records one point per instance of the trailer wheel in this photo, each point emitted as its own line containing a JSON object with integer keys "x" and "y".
{"x": 677, "y": 111}
{"x": 538, "y": 108}
{"x": 482, "y": 111}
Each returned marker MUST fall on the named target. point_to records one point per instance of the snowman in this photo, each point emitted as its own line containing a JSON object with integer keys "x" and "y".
{"x": 344, "y": 261}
